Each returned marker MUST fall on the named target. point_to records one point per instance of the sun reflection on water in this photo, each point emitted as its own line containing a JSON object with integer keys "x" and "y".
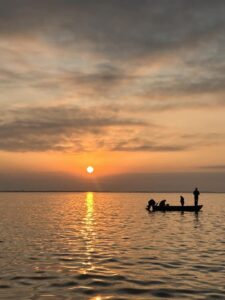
{"x": 89, "y": 233}
{"x": 90, "y": 208}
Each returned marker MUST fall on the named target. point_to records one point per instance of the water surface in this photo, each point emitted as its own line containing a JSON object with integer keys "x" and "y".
{"x": 107, "y": 246}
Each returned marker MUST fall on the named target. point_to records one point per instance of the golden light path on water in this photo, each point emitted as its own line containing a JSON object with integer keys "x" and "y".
{"x": 89, "y": 236}
{"x": 89, "y": 233}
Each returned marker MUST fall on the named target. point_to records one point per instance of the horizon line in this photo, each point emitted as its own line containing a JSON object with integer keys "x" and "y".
{"x": 95, "y": 191}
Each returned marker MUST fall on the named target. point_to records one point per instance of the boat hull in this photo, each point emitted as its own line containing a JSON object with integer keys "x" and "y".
{"x": 177, "y": 208}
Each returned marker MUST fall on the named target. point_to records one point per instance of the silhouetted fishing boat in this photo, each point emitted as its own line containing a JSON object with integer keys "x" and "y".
{"x": 176, "y": 208}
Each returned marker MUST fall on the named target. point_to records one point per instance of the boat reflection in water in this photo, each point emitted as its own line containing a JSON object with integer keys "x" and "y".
{"x": 88, "y": 233}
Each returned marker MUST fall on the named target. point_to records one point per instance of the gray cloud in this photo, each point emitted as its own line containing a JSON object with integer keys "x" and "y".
{"x": 150, "y": 145}
{"x": 101, "y": 81}
{"x": 109, "y": 82}
{"x": 186, "y": 85}
{"x": 214, "y": 167}
{"x": 109, "y": 41}
{"x": 74, "y": 129}
{"x": 119, "y": 29}
{"x": 59, "y": 128}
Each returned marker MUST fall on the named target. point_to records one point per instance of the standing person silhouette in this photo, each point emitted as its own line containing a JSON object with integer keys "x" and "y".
{"x": 182, "y": 201}
{"x": 196, "y": 193}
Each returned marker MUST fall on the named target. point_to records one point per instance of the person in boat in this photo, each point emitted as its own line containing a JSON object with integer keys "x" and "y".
{"x": 162, "y": 203}
{"x": 182, "y": 201}
{"x": 151, "y": 204}
{"x": 196, "y": 194}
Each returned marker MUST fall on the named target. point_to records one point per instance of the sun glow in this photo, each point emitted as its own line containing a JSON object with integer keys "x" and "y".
{"x": 90, "y": 170}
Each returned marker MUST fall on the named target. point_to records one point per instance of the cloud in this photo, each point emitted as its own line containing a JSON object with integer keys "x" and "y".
{"x": 74, "y": 129}
{"x": 214, "y": 167}
{"x": 115, "y": 28}
{"x": 59, "y": 128}
{"x": 110, "y": 63}
{"x": 150, "y": 145}
{"x": 154, "y": 52}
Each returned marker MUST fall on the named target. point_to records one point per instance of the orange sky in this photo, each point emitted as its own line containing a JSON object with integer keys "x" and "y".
{"x": 82, "y": 84}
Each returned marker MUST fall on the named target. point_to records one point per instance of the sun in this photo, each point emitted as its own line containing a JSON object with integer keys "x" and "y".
{"x": 90, "y": 169}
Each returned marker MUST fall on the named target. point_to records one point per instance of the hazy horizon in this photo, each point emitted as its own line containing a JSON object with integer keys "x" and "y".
{"x": 137, "y": 182}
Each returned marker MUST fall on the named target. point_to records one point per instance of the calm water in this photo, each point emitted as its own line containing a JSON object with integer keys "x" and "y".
{"x": 107, "y": 246}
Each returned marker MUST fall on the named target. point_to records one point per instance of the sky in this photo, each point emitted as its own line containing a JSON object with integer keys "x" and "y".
{"x": 135, "y": 89}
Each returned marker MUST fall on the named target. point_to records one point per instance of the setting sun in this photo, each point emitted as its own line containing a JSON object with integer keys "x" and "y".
{"x": 90, "y": 170}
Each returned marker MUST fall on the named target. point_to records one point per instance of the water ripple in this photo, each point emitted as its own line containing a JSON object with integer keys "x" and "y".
{"x": 106, "y": 247}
